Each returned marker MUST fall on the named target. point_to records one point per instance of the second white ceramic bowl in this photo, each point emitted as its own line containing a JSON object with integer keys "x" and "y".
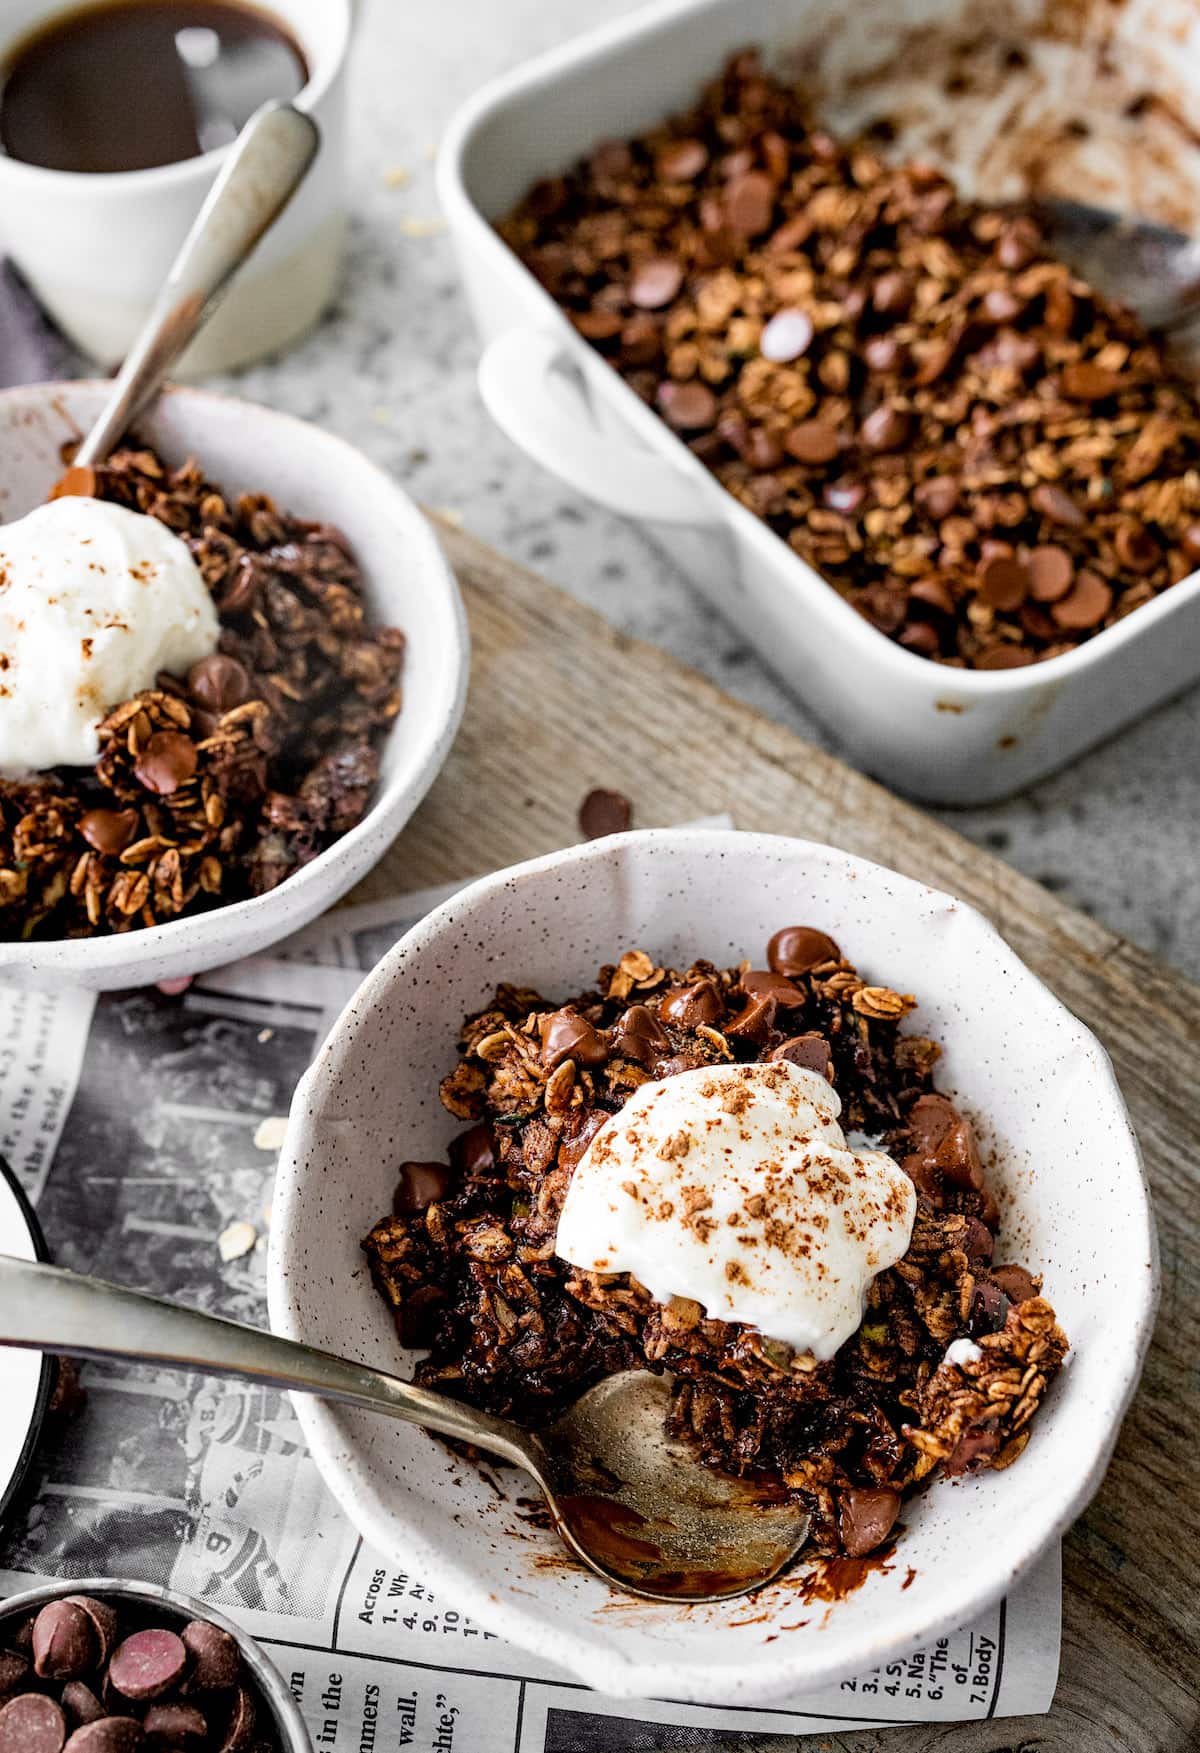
{"x": 407, "y": 583}
{"x": 1052, "y": 1124}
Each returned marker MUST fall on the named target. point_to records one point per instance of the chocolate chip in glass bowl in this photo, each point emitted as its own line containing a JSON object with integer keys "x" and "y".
{"x": 175, "y": 1728}
{"x": 32, "y": 1723}
{"x": 81, "y": 1704}
{"x": 111, "y": 1734}
{"x": 215, "y": 1658}
{"x": 64, "y": 1644}
{"x": 148, "y": 1663}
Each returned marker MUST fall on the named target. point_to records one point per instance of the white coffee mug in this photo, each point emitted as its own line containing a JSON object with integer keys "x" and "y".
{"x": 95, "y": 248}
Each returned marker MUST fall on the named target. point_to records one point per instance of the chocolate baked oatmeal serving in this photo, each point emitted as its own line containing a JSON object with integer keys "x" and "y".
{"x": 989, "y": 460}
{"x": 654, "y": 1175}
{"x": 211, "y": 778}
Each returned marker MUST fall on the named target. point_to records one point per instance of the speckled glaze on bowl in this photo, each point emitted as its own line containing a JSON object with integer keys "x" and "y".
{"x": 177, "y": 1609}
{"x": 408, "y": 584}
{"x": 1052, "y": 1123}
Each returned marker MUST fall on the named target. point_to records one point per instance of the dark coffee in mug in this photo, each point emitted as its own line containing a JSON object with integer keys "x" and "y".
{"x": 129, "y": 84}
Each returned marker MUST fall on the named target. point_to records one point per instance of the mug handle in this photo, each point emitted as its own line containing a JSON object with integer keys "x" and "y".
{"x": 543, "y": 410}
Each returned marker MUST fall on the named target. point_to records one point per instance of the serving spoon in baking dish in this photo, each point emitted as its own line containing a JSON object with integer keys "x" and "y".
{"x": 1154, "y": 269}
{"x": 635, "y": 1504}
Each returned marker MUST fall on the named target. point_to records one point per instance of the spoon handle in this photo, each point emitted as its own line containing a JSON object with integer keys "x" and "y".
{"x": 47, "y": 1308}
{"x": 269, "y": 161}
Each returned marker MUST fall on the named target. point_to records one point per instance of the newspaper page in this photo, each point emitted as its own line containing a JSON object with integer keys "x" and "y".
{"x": 145, "y": 1129}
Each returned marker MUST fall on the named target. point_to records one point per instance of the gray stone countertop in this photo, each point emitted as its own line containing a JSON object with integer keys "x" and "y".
{"x": 393, "y": 369}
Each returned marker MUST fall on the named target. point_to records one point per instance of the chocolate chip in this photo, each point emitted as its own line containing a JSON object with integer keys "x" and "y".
{"x": 989, "y": 1309}
{"x": 844, "y": 497}
{"x": 1002, "y": 583}
{"x": 175, "y": 1727}
{"x": 866, "y": 1516}
{"x": 219, "y": 682}
{"x": 978, "y": 1241}
{"x": 883, "y": 352}
{"x": 1057, "y": 505}
{"x": 112, "y": 1734}
{"x": 568, "y": 1036}
{"x": 109, "y": 831}
{"x": 809, "y": 1052}
{"x": 798, "y": 949}
{"x": 932, "y": 593}
{"x": 31, "y": 1723}
{"x": 892, "y": 293}
{"x": 419, "y": 1186}
{"x": 655, "y": 283}
{"x": 1017, "y": 1284}
{"x": 750, "y": 203}
{"x": 148, "y": 1663}
{"x": 215, "y": 1658}
{"x": 764, "y": 983}
{"x": 168, "y": 760}
{"x": 1085, "y": 382}
{"x": 14, "y": 1670}
{"x": 240, "y": 591}
{"x": 598, "y": 324}
{"x": 812, "y": 442}
{"x": 81, "y": 1703}
{"x": 885, "y": 429}
{"x": 416, "y": 1317}
{"x": 473, "y": 1153}
{"x": 763, "y": 449}
{"x": 1001, "y": 305}
{"x": 787, "y": 336}
{"x": 755, "y": 1020}
{"x": 1004, "y": 657}
{"x": 921, "y": 637}
{"x": 681, "y": 161}
{"x": 64, "y": 1644}
{"x": 1189, "y": 541}
{"x": 1136, "y": 547}
{"x": 1017, "y": 246}
{"x": 239, "y": 1731}
{"x": 691, "y": 1006}
{"x": 687, "y": 407}
{"x": 1051, "y": 572}
{"x": 604, "y": 812}
{"x": 1086, "y": 604}
{"x": 637, "y": 1034}
{"x": 974, "y": 1448}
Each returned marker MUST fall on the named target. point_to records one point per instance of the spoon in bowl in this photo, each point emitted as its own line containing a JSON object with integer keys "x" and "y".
{"x": 635, "y": 1504}
{"x": 266, "y": 165}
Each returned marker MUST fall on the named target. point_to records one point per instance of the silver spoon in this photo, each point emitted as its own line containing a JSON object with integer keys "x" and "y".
{"x": 1153, "y": 269}
{"x": 265, "y": 167}
{"x": 634, "y": 1504}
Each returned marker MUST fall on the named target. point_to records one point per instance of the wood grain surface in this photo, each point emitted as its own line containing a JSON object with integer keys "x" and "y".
{"x": 559, "y": 703}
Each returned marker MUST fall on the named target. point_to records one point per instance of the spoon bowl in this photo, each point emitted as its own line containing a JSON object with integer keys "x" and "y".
{"x": 637, "y": 1506}
{"x": 1154, "y": 269}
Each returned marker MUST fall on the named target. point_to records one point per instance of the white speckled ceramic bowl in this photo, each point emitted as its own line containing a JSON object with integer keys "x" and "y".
{"x": 408, "y": 583}
{"x": 1051, "y": 1119}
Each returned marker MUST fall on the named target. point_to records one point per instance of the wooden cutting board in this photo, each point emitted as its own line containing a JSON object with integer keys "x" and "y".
{"x": 560, "y": 703}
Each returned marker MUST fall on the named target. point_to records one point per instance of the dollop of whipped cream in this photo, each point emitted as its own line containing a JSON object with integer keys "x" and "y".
{"x": 733, "y": 1185}
{"x": 94, "y": 601}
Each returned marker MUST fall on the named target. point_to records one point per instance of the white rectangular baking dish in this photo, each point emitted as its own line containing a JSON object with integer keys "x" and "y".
{"x": 947, "y": 735}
